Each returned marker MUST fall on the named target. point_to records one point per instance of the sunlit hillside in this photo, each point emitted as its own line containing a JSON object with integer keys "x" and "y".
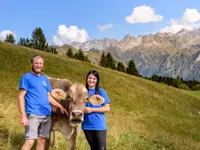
{"x": 144, "y": 115}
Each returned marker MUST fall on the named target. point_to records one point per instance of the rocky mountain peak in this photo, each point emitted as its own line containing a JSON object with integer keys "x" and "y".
{"x": 165, "y": 42}
{"x": 182, "y": 32}
{"x": 161, "y": 53}
{"x": 127, "y": 37}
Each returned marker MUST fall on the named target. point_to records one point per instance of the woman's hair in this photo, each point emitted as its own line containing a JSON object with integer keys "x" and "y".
{"x": 96, "y": 74}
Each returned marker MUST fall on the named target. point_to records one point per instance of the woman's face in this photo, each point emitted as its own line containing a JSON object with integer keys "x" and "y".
{"x": 91, "y": 80}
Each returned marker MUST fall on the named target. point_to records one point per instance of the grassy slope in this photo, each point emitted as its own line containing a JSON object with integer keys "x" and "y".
{"x": 195, "y": 93}
{"x": 144, "y": 115}
{"x": 94, "y": 56}
{"x": 62, "y": 50}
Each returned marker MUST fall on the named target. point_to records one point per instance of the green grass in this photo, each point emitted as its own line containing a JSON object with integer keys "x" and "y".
{"x": 195, "y": 93}
{"x": 144, "y": 115}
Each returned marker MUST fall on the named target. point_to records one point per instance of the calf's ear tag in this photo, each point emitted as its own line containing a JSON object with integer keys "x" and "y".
{"x": 96, "y": 100}
{"x": 58, "y": 94}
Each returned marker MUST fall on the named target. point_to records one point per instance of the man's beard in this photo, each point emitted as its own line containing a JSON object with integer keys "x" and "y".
{"x": 36, "y": 72}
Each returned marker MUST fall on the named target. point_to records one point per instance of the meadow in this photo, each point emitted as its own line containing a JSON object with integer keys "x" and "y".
{"x": 144, "y": 115}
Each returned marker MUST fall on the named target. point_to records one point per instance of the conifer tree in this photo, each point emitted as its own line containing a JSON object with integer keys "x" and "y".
{"x": 10, "y": 38}
{"x": 131, "y": 69}
{"x": 110, "y": 63}
{"x": 87, "y": 59}
{"x": 24, "y": 42}
{"x": 102, "y": 60}
{"x": 38, "y": 40}
{"x": 120, "y": 67}
{"x": 79, "y": 55}
{"x": 52, "y": 50}
{"x": 70, "y": 53}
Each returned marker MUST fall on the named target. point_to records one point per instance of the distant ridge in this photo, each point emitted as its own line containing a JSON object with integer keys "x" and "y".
{"x": 164, "y": 54}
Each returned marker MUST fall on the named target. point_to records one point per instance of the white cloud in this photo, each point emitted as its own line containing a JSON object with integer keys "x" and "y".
{"x": 190, "y": 16}
{"x": 67, "y": 35}
{"x": 4, "y": 33}
{"x": 143, "y": 14}
{"x": 174, "y": 28}
{"x": 189, "y": 20}
{"x": 105, "y": 27}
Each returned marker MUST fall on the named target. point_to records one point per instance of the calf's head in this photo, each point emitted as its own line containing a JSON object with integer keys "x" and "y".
{"x": 74, "y": 100}
{"x": 77, "y": 96}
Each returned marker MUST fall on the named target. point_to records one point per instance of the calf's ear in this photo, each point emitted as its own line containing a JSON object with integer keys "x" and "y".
{"x": 59, "y": 94}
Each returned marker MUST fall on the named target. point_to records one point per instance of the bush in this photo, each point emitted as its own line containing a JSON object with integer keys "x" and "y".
{"x": 196, "y": 87}
{"x": 183, "y": 86}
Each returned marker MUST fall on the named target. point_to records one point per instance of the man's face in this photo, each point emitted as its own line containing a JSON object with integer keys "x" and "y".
{"x": 37, "y": 65}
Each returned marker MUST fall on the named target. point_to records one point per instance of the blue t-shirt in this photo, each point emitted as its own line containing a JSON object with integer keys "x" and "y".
{"x": 36, "y": 98}
{"x": 94, "y": 120}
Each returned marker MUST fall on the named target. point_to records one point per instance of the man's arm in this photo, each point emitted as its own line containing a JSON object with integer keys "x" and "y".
{"x": 21, "y": 105}
{"x": 55, "y": 103}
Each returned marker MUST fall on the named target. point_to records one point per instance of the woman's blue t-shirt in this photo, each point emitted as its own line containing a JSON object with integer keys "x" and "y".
{"x": 36, "y": 98}
{"x": 94, "y": 120}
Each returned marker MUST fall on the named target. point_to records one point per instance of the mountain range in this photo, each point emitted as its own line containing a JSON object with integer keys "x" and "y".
{"x": 163, "y": 54}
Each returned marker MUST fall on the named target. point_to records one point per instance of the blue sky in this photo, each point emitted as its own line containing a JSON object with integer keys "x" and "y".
{"x": 65, "y": 21}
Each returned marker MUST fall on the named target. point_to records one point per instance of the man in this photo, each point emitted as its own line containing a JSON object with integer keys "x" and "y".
{"x": 34, "y": 105}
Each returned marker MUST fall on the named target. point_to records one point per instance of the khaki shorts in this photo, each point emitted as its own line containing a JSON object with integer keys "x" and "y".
{"x": 38, "y": 126}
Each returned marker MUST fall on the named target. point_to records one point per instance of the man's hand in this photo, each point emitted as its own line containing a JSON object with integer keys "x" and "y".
{"x": 24, "y": 120}
{"x": 21, "y": 104}
{"x": 63, "y": 110}
{"x": 55, "y": 103}
{"x": 88, "y": 110}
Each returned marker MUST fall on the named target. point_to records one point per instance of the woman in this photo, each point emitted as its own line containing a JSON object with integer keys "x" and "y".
{"x": 94, "y": 125}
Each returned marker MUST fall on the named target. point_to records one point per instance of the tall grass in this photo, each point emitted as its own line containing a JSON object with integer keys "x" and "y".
{"x": 144, "y": 115}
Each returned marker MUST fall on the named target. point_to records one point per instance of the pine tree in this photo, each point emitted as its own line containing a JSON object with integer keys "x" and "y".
{"x": 177, "y": 81}
{"x": 87, "y": 59}
{"x": 154, "y": 78}
{"x": 131, "y": 69}
{"x": 75, "y": 56}
{"x": 120, "y": 67}
{"x": 52, "y": 50}
{"x": 10, "y": 38}
{"x": 55, "y": 51}
{"x": 110, "y": 63}
{"x": 70, "y": 53}
{"x": 38, "y": 40}
{"x": 103, "y": 60}
{"x": 79, "y": 55}
{"x": 24, "y": 42}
